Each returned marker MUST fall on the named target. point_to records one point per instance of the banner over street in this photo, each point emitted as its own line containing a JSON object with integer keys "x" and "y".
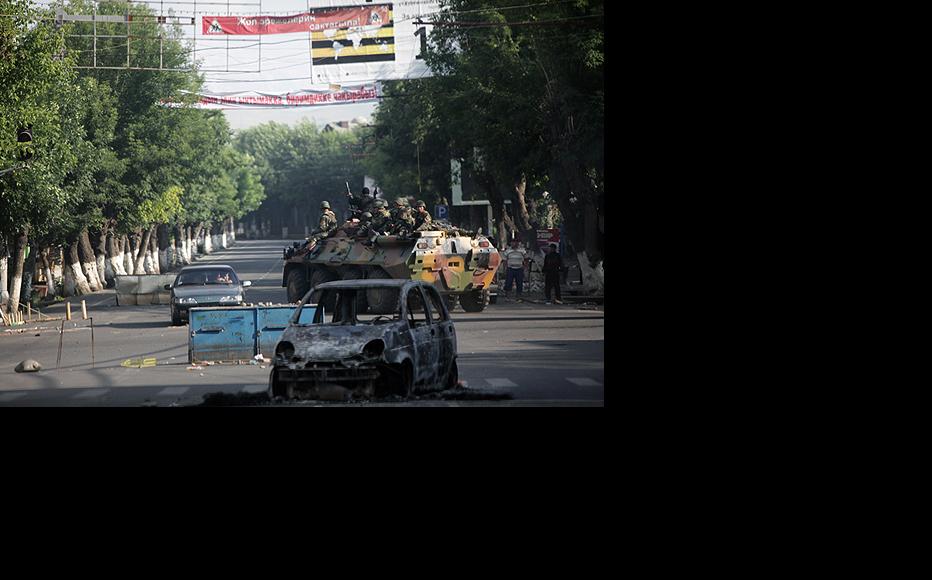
{"x": 314, "y": 20}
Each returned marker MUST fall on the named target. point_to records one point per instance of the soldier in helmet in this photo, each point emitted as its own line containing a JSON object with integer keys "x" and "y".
{"x": 402, "y": 220}
{"x": 422, "y": 217}
{"x": 381, "y": 217}
{"x": 327, "y": 223}
{"x": 365, "y": 224}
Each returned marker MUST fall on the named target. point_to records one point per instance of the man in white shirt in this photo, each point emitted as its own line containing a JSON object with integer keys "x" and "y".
{"x": 515, "y": 259}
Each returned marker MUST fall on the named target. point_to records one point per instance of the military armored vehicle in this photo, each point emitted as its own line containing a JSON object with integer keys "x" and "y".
{"x": 460, "y": 266}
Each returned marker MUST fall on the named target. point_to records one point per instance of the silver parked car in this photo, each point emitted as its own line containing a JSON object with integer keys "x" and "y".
{"x": 406, "y": 344}
{"x": 216, "y": 285}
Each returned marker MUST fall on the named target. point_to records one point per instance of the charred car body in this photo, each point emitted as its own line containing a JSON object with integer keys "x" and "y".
{"x": 402, "y": 350}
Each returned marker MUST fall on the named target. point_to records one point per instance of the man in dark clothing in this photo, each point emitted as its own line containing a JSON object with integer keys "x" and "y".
{"x": 553, "y": 265}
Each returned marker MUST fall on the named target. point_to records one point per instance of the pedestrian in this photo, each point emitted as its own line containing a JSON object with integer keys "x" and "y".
{"x": 553, "y": 265}
{"x": 515, "y": 262}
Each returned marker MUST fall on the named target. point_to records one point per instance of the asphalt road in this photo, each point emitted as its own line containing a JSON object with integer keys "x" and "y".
{"x": 538, "y": 354}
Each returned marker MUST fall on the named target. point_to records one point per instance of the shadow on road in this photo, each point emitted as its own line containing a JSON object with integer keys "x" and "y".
{"x": 153, "y": 324}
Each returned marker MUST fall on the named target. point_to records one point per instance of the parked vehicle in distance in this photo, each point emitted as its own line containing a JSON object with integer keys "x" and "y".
{"x": 214, "y": 285}
{"x": 406, "y": 345}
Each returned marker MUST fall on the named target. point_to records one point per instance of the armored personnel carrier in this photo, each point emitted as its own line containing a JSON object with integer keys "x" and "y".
{"x": 460, "y": 266}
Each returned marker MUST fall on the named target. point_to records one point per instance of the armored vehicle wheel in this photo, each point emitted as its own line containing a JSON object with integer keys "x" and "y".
{"x": 297, "y": 284}
{"x": 451, "y": 301}
{"x": 474, "y": 301}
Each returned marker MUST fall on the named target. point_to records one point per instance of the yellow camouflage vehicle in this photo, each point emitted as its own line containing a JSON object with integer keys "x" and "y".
{"x": 461, "y": 267}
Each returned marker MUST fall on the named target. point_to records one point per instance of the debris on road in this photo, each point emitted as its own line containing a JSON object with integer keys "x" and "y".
{"x": 139, "y": 362}
{"x": 28, "y": 366}
{"x": 195, "y": 368}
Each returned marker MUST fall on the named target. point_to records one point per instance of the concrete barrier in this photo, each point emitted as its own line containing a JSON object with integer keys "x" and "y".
{"x": 143, "y": 290}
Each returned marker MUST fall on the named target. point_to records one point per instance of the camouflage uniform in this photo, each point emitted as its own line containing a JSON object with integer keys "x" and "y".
{"x": 402, "y": 220}
{"x": 358, "y": 205}
{"x": 381, "y": 218}
{"x": 365, "y": 224}
{"x": 422, "y": 219}
{"x": 327, "y": 223}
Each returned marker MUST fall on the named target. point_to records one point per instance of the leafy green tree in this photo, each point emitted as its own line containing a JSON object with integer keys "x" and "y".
{"x": 35, "y": 78}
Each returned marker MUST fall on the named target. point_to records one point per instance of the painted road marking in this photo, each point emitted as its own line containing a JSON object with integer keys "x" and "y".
{"x": 173, "y": 391}
{"x": 581, "y": 382}
{"x": 7, "y": 397}
{"x": 500, "y": 383}
{"x": 90, "y": 394}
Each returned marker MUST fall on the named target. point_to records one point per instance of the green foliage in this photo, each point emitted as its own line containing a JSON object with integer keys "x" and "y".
{"x": 35, "y": 78}
{"x": 302, "y": 165}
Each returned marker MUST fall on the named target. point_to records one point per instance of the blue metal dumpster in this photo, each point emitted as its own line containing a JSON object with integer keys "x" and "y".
{"x": 239, "y": 332}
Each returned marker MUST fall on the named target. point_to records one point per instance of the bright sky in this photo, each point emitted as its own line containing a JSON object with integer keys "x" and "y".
{"x": 275, "y": 63}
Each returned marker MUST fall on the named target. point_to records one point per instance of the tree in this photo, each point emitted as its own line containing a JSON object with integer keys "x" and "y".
{"x": 35, "y": 78}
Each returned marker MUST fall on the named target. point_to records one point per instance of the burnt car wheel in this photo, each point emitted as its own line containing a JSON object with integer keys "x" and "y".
{"x": 406, "y": 380}
{"x": 276, "y": 388}
{"x": 297, "y": 284}
{"x": 475, "y": 301}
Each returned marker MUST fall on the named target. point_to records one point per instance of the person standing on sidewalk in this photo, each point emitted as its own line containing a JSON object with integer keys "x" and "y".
{"x": 553, "y": 265}
{"x": 515, "y": 261}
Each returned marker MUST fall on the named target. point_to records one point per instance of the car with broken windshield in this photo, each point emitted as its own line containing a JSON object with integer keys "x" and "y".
{"x": 368, "y": 338}
{"x": 197, "y": 286}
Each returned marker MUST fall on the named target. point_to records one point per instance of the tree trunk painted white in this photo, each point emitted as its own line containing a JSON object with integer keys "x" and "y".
{"x": 102, "y": 271}
{"x": 152, "y": 256}
{"x": 208, "y": 243}
{"x": 165, "y": 259}
{"x": 90, "y": 274}
{"x": 593, "y": 278}
{"x": 223, "y": 240}
{"x": 100, "y": 251}
{"x": 52, "y": 288}
{"x": 127, "y": 253}
{"x": 19, "y": 259}
{"x": 73, "y": 263}
{"x": 143, "y": 253}
{"x": 69, "y": 285}
{"x": 88, "y": 261}
{"x": 80, "y": 279}
{"x": 4, "y": 282}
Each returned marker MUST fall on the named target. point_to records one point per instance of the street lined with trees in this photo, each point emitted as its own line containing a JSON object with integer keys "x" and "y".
{"x": 118, "y": 182}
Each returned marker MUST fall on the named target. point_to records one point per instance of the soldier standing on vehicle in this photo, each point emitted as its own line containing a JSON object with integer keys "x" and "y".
{"x": 359, "y": 204}
{"x": 422, "y": 217}
{"x": 327, "y": 223}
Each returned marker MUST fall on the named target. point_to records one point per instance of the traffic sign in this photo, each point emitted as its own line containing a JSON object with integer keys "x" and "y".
{"x": 441, "y": 211}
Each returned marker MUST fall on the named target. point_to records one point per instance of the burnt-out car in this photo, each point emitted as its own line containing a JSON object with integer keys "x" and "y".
{"x": 381, "y": 337}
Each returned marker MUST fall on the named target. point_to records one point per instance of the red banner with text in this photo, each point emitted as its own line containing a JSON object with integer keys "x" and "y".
{"x": 315, "y": 20}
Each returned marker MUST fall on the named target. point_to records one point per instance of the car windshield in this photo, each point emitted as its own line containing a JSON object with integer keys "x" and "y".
{"x": 354, "y": 306}
{"x": 206, "y": 277}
